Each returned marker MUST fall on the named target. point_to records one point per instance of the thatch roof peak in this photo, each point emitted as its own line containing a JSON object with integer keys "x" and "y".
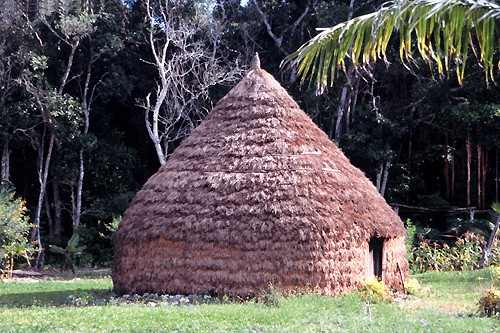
{"x": 257, "y": 85}
{"x": 255, "y": 61}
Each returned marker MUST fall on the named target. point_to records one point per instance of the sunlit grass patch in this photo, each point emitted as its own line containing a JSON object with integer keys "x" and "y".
{"x": 449, "y": 306}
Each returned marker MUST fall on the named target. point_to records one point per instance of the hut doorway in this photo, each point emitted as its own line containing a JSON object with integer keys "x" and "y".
{"x": 375, "y": 257}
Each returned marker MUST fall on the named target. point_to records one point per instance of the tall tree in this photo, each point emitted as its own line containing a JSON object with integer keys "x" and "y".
{"x": 188, "y": 55}
{"x": 15, "y": 34}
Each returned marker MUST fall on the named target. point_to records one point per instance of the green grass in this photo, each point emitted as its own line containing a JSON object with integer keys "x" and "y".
{"x": 449, "y": 307}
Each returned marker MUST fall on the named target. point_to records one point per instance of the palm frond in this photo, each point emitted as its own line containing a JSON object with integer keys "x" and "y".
{"x": 441, "y": 29}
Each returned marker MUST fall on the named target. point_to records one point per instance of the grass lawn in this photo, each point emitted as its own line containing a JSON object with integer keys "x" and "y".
{"x": 40, "y": 306}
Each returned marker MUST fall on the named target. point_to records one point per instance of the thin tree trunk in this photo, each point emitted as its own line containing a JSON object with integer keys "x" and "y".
{"x": 43, "y": 172}
{"x": 453, "y": 172}
{"x": 57, "y": 208}
{"x": 78, "y": 208}
{"x": 479, "y": 168}
{"x": 446, "y": 166}
{"x": 485, "y": 168}
{"x": 409, "y": 165}
{"x": 486, "y": 252}
{"x": 347, "y": 103}
{"x": 352, "y": 106}
{"x": 386, "y": 176}
{"x": 379, "y": 177}
{"x": 49, "y": 214}
{"x": 340, "y": 115}
{"x": 4, "y": 178}
{"x": 77, "y": 213}
{"x": 496, "y": 175}
{"x": 342, "y": 104}
{"x": 68, "y": 67}
{"x": 469, "y": 155}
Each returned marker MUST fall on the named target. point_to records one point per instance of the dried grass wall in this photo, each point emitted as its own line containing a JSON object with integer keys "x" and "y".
{"x": 172, "y": 267}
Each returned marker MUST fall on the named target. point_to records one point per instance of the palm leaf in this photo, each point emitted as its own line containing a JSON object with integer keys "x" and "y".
{"x": 72, "y": 243}
{"x": 440, "y": 28}
{"x": 496, "y": 207}
{"x": 57, "y": 249}
{"x": 80, "y": 248}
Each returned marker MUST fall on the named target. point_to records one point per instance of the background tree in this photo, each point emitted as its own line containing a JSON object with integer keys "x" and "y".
{"x": 15, "y": 35}
{"x": 187, "y": 52}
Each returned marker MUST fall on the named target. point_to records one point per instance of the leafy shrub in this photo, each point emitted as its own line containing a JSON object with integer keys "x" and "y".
{"x": 490, "y": 301}
{"x": 270, "y": 298}
{"x": 411, "y": 233}
{"x": 412, "y": 287}
{"x": 85, "y": 296}
{"x": 374, "y": 291}
{"x": 464, "y": 255}
{"x": 14, "y": 229}
{"x": 495, "y": 275}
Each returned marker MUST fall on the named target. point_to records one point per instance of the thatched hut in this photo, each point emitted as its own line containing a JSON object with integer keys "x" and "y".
{"x": 257, "y": 195}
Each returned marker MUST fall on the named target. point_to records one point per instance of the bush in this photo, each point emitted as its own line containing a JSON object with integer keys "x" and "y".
{"x": 412, "y": 287}
{"x": 490, "y": 302}
{"x": 374, "y": 291}
{"x": 14, "y": 229}
{"x": 464, "y": 255}
{"x": 411, "y": 233}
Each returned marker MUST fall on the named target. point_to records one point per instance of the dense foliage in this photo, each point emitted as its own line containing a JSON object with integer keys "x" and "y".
{"x": 14, "y": 229}
{"x": 75, "y": 77}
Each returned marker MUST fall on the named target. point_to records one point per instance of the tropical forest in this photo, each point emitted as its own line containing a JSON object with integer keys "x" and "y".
{"x": 96, "y": 95}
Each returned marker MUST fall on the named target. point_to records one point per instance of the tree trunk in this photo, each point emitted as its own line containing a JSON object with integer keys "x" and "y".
{"x": 87, "y": 100}
{"x": 483, "y": 185}
{"x": 409, "y": 164}
{"x": 479, "y": 168}
{"x": 78, "y": 207}
{"x": 496, "y": 175}
{"x": 446, "y": 167}
{"x": 352, "y": 105}
{"x": 453, "y": 172}
{"x": 340, "y": 114}
{"x": 379, "y": 177}
{"x": 4, "y": 178}
{"x": 342, "y": 104}
{"x": 49, "y": 214}
{"x": 68, "y": 67}
{"x": 469, "y": 155}
{"x": 57, "y": 208}
{"x": 487, "y": 249}
{"x": 386, "y": 175}
{"x": 43, "y": 171}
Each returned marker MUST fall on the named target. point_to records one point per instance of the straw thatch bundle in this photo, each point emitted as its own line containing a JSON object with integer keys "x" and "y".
{"x": 256, "y": 195}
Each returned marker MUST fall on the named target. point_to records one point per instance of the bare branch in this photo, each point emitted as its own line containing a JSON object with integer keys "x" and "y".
{"x": 189, "y": 61}
{"x": 279, "y": 40}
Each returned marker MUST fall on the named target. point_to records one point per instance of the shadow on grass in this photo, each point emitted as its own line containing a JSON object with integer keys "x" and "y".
{"x": 47, "y": 298}
{"x": 86, "y": 274}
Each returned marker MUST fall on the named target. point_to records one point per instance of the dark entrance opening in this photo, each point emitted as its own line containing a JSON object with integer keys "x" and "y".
{"x": 375, "y": 256}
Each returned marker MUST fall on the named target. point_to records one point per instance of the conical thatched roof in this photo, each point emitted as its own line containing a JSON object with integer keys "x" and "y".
{"x": 257, "y": 194}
